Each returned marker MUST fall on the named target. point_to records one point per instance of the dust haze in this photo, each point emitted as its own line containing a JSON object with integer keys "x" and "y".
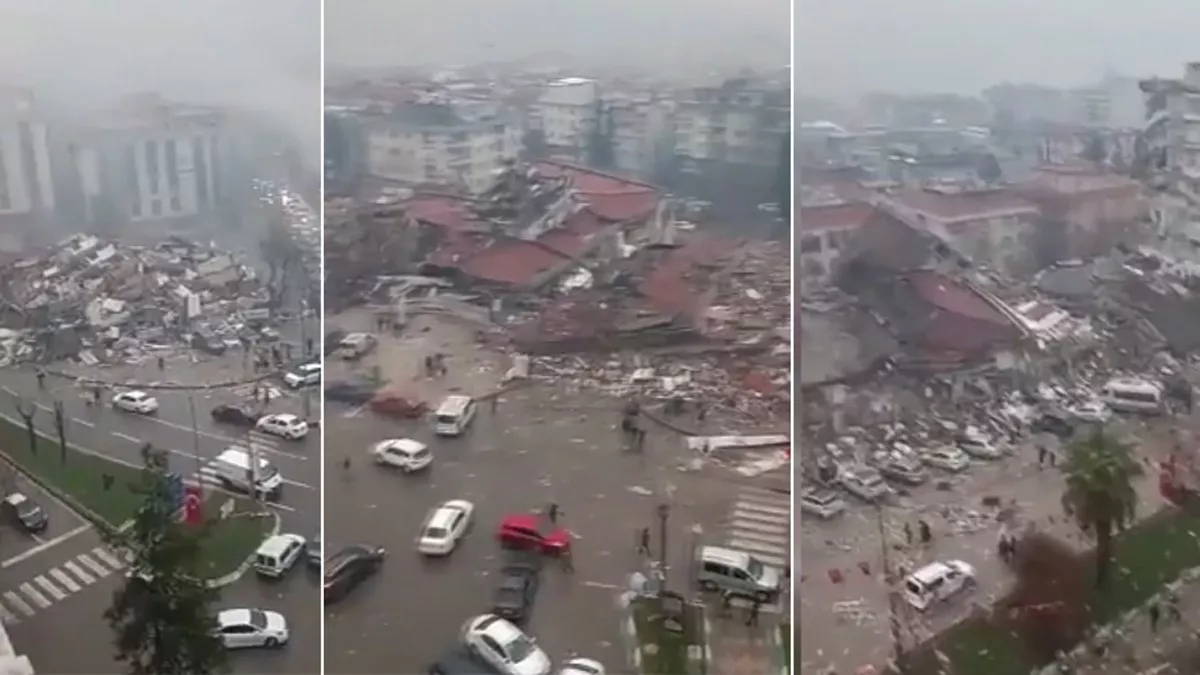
{"x": 661, "y": 35}
{"x": 845, "y": 48}
{"x": 81, "y": 55}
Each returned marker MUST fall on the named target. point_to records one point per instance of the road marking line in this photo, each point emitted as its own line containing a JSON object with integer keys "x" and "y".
{"x": 298, "y": 484}
{"x": 43, "y": 406}
{"x": 7, "y": 617}
{"x": 599, "y": 584}
{"x": 775, "y": 528}
{"x": 754, "y": 547}
{"x": 24, "y": 555}
{"x": 354, "y": 412}
{"x": 100, "y": 570}
{"x": 112, "y": 560}
{"x": 38, "y": 599}
{"x": 17, "y": 603}
{"x": 125, "y": 436}
{"x": 747, "y": 535}
{"x": 65, "y": 579}
{"x": 84, "y": 423}
{"x": 49, "y": 587}
{"x": 86, "y": 578}
{"x": 744, "y": 505}
{"x": 772, "y": 560}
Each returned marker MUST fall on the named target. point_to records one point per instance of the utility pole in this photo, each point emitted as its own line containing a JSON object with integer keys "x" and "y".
{"x": 664, "y": 514}
{"x": 191, "y": 399}
{"x": 889, "y": 577}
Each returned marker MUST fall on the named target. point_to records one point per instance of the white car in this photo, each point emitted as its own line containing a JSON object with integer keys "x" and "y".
{"x": 1092, "y": 411}
{"x": 403, "y": 453}
{"x": 283, "y": 425}
{"x": 135, "y": 402}
{"x": 823, "y": 504}
{"x": 947, "y": 458}
{"x": 242, "y": 628}
{"x": 977, "y": 445}
{"x": 304, "y": 376}
{"x": 443, "y": 528}
{"x": 937, "y": 582}
{"x": 579, "y": 666}
{"x": 504, "y": 647}
{"x": 863, "y": 482}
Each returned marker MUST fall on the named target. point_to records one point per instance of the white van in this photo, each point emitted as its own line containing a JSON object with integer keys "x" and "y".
{"x": 453, "y": 415}
{"x": 719, "y": 568}
{"x": 277, "y": 554}
{"x": 936, "y": 582}
{"x": 1130, "y": 394}
{"x": 233, "y": 469}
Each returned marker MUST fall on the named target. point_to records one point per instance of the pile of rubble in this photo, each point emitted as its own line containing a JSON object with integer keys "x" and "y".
{"x": 99, "y": 301}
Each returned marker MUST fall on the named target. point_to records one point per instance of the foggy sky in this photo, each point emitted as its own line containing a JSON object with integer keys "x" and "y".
{"x": 84, "y": 54}
{"x": 659, "y": 33}
{"x": 848, "y": 46}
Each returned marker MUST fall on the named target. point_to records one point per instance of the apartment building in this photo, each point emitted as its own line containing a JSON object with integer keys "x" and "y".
{"x": 436, "y": 141}
{"x": 641, "y": 133}
{"x": 1172, "y": 130}
{"x": 151, "y": 160}
{"x": 27, "y": 187}
{"x": 565, "y": 114}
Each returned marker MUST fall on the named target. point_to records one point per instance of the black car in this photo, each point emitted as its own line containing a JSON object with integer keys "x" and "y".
{"x": 1054, "y": 424}
{"x": 25, "y": 513}
{"x": 514, "y": 595}
{"x": 348, "y": 568}
{"x": 240, "y": 415}
{"x": 350, "y": 393}
{"x": 312, "y": 552}
{"x": 458, "y": 661}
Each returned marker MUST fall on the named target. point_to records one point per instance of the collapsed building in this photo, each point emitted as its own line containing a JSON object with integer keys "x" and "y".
{"x": 98, "y": 301}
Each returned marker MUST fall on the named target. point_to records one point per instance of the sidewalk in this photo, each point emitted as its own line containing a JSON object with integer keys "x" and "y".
{"x": 1135, "y": 649}
{"x": 738, "y": 649}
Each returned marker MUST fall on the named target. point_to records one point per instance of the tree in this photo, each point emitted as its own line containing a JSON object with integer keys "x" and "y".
{"x": 1048, "y": 607}
{"x": 27, "y": 412}
{"x": 601, "y": 147}
{"x": 1099, "y": 493}
{"x": 1095, "y": 150}
{"x": 988, "y": 168}
{"x": 162, "y": 616}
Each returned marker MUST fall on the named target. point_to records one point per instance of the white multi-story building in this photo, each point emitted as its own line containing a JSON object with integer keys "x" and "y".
{"x": 438, "y": 142}
{"x": 154, "y": 161}
{"x": 1172, "y": 131}
{"x": 735, "y": 123}
{"x": 26, "y": 177}
{"x": 641, "y": 128}
{"x": 566, "y": 113}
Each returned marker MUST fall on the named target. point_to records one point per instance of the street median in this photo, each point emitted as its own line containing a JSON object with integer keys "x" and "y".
{"x": 104, "y": 491}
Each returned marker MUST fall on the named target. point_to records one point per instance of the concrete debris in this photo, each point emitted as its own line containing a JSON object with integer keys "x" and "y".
{"x": 101, "y": 303}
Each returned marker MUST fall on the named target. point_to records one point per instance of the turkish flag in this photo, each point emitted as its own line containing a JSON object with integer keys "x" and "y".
{"x": 193, "y": 505}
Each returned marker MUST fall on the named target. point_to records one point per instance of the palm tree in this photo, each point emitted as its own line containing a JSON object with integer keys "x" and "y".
{"x": 1099, "y": 493}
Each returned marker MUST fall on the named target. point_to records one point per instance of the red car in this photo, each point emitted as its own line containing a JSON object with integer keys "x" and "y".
{"x": 531, "y": 531}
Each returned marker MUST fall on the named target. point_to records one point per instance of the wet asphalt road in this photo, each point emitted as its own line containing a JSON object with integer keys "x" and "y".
{"x": 533, "y": 451}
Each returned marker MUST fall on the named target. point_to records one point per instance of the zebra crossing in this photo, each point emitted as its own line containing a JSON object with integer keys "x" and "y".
{"x": 58, "y": 583}
{"x": 759, "y": 523}
{"x": 255, "y": 441}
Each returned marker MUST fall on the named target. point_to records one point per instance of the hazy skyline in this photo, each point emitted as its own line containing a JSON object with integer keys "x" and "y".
{"x": 661, "y": 34}
{"x": 845, "y": 48}
{"x": 82, "y": 55}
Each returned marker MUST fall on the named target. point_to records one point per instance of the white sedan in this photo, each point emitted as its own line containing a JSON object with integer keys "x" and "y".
{"x": 445, "y": 526}
{"x": 1092, "y": 411}
{"x": 947, "y": 458}
{"x": 582, "y": 667}
{"x": 504, "y": 647}
{"x": 135, "y": 402}
{"x": 242, "y": 628}
{"x": 283, "y": 425}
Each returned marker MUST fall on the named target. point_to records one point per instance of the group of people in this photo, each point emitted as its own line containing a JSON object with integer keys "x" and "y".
{"x": 435, "y": 366}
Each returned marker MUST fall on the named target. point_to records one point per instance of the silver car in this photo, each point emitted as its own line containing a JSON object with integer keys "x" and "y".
{"x": 824, "y": 504}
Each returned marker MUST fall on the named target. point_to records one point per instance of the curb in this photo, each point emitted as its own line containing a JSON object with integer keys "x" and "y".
{"x": 777, "y": 645}
{"x": 701, "y": 657}
{"x": 227, "y": 384}
{"x": 238, "y": 573}
{"x": 628, "y": 630}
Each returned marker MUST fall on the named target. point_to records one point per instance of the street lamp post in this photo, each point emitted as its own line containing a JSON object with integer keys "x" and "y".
{"x": 664, "y": 514}
{"x": 195, "y": 439}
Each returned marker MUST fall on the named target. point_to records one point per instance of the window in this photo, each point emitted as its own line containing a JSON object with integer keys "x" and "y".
{"x": 457, "y": 521}
{"x": 172, "y": 167}
{"x": 155, "y": 207}
{"x": 200, "y": 160}
{"x": 492, "y": 645}
{"x": 152, "y": 165}
{"x": 135, "y": 208}
{"x": 176, "y": 204}
{"x": 716, "y": 568}
{"x": 237, "y": 630}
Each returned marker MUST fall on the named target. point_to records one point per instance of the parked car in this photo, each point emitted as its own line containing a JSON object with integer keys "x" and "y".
{"x": 821, "y": 503}
{"x": 578, "y": 666}
{"x": 237, "y": 415}
{"x": 1092, "y": 411}
{"x": 532, "y": 531}
{"x": 946, "y": 458}
{"x": 516, "y": 591}
{"x": 350, "y": 393}
{"x": 305, "y": 375}
{"x": 504, "y": 646}
{"x": 242, "y": 628}
{"x": 459, "y": 661}
{"x": 135, "y": 402}
{"x": 348, "y": 568}
{"x": 863, "y": 482}
{"x": 25, "y": 513}
{"x": 312, "y": 552}
{"x": 1052, "y": 423}
{"x": 978, "y": 445}
{"x": 937, "y": 582}
{"x": 355, "y": 346}
{"x": 903, "y": 469}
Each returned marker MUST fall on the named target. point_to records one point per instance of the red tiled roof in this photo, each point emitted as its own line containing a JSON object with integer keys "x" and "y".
{"x": 518, "y": 263}
{"x": 668, "y": 288}
{"x": 611, "y": 197}
{"x": 834, "y": 217}
{"x": 951, "y": 296}
{"x": 963, "y": 206}
{"x": 439, "y": 210}
{"x": 1076, "y": 179}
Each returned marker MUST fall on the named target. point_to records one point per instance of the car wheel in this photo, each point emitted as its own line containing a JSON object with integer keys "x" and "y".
{"x": 708, "y": 586}
{"x": 271, "y": 643}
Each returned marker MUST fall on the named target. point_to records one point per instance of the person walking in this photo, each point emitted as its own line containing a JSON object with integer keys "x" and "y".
{"x": 644, "y": 541}
{"x": 1173, "y": 611}
{"x": 908, "y": 534}
{"x": 755, "y": 608}
{"x": 41, "y": 378}
{"x": 726, "y": 603}
{"x": 552, "y": 512}
{"x": 925, "y": 532}
{"x": 162, "y": 364}
{"x": 495, "y": 403}
{"x": 1154, "y": 613}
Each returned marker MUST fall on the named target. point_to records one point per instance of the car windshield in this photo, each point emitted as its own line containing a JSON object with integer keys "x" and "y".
{"x": 755, "y": 568}
{"x": 521, "y": 648}
{"x": 267, "y": 472}
{"x": 435, "y": 532}
{"x": 447, "y": 419}
{"x": 27, "y": 508}
{"x": 258, "y": 619}
{"x": 821, "y": 498}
